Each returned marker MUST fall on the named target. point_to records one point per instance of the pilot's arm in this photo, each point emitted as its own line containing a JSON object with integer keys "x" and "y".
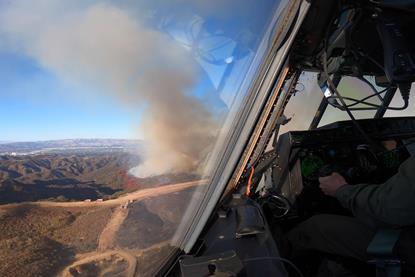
{"x": 390, "y": 203}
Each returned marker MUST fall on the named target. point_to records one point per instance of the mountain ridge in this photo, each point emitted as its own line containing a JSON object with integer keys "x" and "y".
{"x": 31, "y": 147}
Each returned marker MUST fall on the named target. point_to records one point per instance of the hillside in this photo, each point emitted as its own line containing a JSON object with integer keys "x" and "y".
{"x": 124, "y": 236}
{"x": 65, "y": 176}
{"x": 91, "y": 238}
{"x": 69, "y": 176}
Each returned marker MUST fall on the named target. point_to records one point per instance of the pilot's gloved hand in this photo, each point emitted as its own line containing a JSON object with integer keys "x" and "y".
{"x": 331, "y": 183}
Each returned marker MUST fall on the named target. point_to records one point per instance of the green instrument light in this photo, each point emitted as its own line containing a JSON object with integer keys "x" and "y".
{"x": 310, "y": 165}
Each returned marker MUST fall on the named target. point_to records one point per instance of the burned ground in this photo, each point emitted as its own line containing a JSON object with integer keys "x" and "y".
{"x": 153, "y": 220}
{"x": 38, "y": 241}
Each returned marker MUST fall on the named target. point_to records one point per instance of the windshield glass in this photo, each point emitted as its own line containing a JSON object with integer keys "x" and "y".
{"x": 351, "y": 88}
{"x": 302, "y": 105}
{"x": 398, "y": 102}
{"x": 109, "y": 114}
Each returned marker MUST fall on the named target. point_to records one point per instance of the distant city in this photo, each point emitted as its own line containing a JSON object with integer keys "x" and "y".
{"x": 69, "y": 145}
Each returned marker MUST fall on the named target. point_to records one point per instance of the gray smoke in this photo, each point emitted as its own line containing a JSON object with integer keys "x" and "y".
{"x": 102, "y": 46}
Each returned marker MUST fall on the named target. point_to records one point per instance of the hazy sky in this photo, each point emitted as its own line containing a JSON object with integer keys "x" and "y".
{"x": 35, "y": 105}
{"x": 64, "y": 64}
{"x": 106, "y": 69}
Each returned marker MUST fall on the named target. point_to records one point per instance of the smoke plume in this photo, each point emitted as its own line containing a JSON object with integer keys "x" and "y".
{"x": 104, "y": 47}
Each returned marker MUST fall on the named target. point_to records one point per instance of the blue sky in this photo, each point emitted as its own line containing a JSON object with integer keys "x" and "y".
{"x": 56, "y": 81}
{"x": 36, "y": 105}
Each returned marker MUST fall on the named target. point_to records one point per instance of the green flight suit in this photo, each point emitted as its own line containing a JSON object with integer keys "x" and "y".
{"x": 388, "y": 205}
{"x": 391, "y": 204}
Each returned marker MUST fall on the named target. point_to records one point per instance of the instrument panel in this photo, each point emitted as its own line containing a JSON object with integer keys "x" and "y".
{"x": 339, "y": 147}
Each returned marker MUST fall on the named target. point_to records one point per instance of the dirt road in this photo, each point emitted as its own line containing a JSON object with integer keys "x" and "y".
{"x": 136, "y": 195}
{"x": 107, "y": 246}
{"x": 107, "y": 238}
{"x": 96, "y": 257}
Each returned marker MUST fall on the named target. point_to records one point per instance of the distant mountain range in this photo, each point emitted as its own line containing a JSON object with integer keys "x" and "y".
{"x": 68, "y": 145}
{"x": 73, "y": 169}
{"x": 72, "y": 176}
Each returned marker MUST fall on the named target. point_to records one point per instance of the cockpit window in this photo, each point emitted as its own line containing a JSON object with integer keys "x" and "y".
{"x": 109, "y": 114}
{"x": 303, "y": 105}
{"x": 352, "y": 88}
{"x": 397, "y": 102}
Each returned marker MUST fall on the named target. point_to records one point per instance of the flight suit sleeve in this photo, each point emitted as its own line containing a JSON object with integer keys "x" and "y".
{"x": 389, "y": 204}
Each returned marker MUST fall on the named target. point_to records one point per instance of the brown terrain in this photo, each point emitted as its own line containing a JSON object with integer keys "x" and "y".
{"x": 51, "y": 223}
{"x": 68, "y": 176}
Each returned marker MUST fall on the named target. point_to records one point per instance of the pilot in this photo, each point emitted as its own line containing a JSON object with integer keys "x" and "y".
{"x": 388, "y": 205}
